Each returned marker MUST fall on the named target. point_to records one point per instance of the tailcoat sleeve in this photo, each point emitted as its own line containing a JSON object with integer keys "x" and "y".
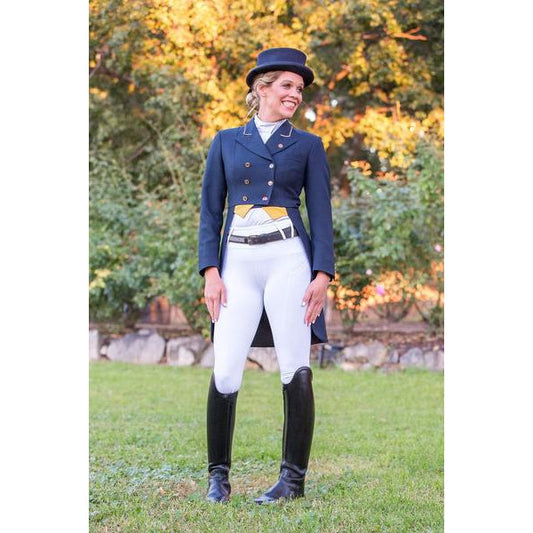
{"x": 214, "y": 190}
{"x": 318, "y": 202}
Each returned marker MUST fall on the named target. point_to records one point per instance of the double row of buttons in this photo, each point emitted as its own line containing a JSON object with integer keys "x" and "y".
{"x": 247, "y": 181}
{"x": 265, "y": 198}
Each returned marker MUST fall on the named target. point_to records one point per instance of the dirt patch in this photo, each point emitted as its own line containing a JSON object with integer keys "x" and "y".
{"x": 183, "y": 488}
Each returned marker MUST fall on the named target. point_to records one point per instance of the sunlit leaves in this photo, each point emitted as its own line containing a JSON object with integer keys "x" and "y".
{"x": 387, "y": 226}
{"x": 165, "y": 75}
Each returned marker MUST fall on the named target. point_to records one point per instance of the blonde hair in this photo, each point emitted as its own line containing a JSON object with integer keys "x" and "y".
{"x": 252, "y": 98}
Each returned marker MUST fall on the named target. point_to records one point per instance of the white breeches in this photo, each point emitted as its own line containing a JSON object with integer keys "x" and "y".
{"x": 276, "y": 275}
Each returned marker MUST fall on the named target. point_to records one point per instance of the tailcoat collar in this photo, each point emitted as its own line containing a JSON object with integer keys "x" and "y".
{"x": 283, "y": 137}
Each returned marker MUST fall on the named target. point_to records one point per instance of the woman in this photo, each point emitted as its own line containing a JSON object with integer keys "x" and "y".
{"x": 266, "y": 284}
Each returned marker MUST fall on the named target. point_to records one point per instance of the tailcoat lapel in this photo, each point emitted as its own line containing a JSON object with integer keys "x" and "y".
{"x": 282, "y": 138}
{"x": 249, "y": 137}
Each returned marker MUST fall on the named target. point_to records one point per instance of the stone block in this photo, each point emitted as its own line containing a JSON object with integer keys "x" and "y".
{"x": 207, "y": 358}
{"x": 356, "y": 354}
{"x": 394, "y": 357}
{"x": 94, "y": 344}
{"x": 439, "y": 361}
{"x": 350, "y": 366}
{"x": 265, "y": 357}
{"x": 185, "y": 351}
{"x": 143, "y": 347}
{"x": 413, "y": 357}
{"x": 377, "y": 353}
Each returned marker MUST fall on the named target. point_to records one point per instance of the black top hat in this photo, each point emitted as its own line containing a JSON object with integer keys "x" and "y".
{"x": 281, "y": 59}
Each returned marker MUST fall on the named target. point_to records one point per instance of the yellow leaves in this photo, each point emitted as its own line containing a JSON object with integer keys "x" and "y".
{"x": 316, "y": 15}
{"x": 215, "y": 42}
{"x": 297, "y": 24}
{"x": 227, "y": 107}
{"x": 375, "y": 20}
{"x": 205, "y": 21}
{"x": 391, "y": 24}
{"x": 100, "y": 275}
{"x": 358, "y": 62}
{"x": 98, "y": 92}
{"x": 347, "y": 298}
{"x": 437, "y": 267}
{"x": 387, "y": 176}
{"x": 363, "y": 166}
{"x": 360, "y": 89}
{"x": 393, "y": 136}
{"x": 334, "y": 129}
{"x": 278, "y": 7}
{"x": 434, "y": 123}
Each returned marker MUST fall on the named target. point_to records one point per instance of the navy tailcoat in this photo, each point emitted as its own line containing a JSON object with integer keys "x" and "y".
{"x": 241, "y": 169}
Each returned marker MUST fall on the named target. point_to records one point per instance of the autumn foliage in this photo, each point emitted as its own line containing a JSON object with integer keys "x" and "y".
{"x": 165, "y": 75}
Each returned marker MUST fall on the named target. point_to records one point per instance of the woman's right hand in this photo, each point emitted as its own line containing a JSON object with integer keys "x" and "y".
{"x": 214, "y": 292}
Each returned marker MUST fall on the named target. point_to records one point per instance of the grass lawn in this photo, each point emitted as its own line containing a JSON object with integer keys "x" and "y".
{"x": 377, "y": 458}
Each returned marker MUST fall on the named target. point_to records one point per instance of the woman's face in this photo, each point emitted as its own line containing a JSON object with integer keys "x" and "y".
{"x": 281, "y": 98}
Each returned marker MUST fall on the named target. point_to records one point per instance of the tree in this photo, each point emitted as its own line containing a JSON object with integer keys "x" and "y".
{"x": 165, "y": 75}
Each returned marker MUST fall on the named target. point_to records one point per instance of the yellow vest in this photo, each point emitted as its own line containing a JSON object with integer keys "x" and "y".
{"x": 272, "y": 211}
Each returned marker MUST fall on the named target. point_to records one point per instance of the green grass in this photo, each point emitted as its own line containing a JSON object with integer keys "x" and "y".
{"x": 376, "y": 460}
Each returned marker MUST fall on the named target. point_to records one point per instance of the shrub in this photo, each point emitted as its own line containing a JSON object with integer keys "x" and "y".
{"x": 393, "y": 224}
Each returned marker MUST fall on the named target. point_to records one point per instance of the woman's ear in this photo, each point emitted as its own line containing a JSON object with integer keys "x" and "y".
{"x": 261, "y": 90}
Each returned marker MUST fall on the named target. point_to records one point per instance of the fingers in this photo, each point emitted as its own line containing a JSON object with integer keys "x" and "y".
{"x": 212, "y": 304}
{"x": 313, "y": 312}
{"x": 216, "y": 309}
{"x": 307, "y": 296}
{"x": 223, "y": 296}
{"x": 314, "y": 299}
{"x": 214, "y": 296}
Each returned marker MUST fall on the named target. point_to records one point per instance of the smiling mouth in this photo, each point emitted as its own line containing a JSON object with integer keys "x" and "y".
{"x": 289, "y": 105}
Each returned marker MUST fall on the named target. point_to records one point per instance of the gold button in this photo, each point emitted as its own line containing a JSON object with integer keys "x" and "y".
{"x": 247, "y": 164}
{"x": 247, "y": 182}
{"x": 280, "y": 145}
{"x": 271, "y": 165}
{"x": 265, "y": 198}
{"x": 245, "y": 198}
{"x": 270, "y": 183}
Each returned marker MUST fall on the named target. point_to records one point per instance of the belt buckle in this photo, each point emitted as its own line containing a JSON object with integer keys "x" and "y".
{"x": 253, "y": 239}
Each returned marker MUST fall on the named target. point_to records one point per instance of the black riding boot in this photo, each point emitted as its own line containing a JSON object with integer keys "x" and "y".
{"x": 220, "y": 424}
{"x": 299, "y": 407}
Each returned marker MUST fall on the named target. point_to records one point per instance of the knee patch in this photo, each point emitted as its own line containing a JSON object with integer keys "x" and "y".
{"x": 226, "y": 383}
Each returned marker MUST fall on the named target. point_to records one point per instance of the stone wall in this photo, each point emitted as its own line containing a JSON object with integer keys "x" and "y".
{"x": 146, "y": 346}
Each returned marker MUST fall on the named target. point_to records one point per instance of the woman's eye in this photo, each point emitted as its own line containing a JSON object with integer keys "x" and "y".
{"x": 288, "y": 86}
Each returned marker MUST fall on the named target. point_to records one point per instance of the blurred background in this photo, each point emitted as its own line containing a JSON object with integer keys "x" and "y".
{"x": 166, "y": 75}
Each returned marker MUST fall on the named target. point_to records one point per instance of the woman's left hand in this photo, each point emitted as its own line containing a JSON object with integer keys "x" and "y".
{"x": 315, "y": 297}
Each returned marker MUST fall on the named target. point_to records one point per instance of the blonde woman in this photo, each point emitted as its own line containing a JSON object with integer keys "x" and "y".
{"x": 266, "y": 279}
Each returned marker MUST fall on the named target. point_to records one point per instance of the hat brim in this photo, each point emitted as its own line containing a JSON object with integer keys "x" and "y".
{"x": 305, "y": 72}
